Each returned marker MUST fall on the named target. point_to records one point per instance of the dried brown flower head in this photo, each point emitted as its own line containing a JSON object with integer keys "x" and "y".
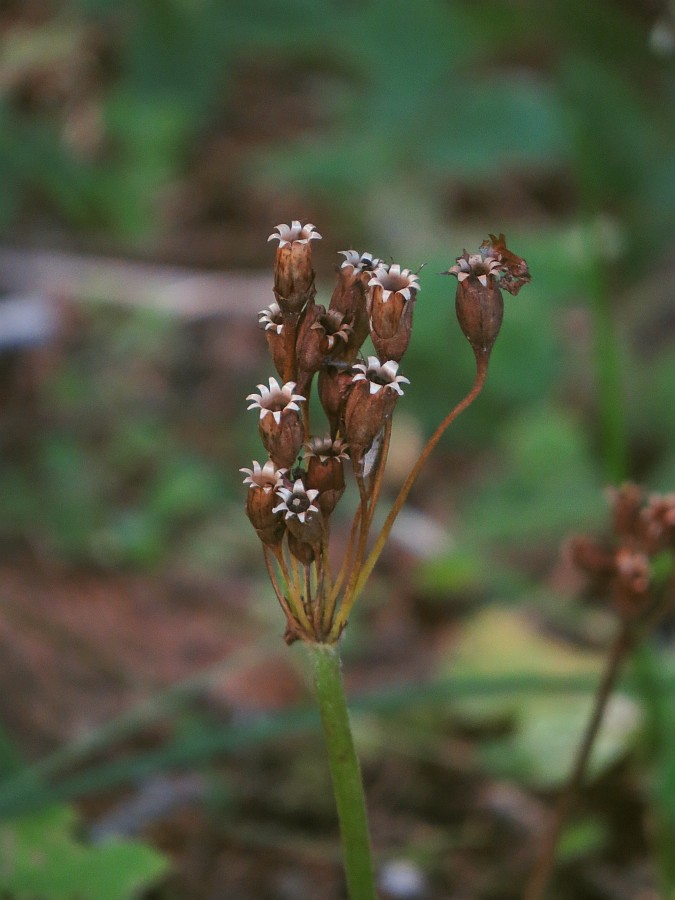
{"x": 621, "y": 567}
{"x": 375, "y": 389}
{"x": 281, "y": 427}
{"x": 301, "y": 514}
{"x": 293, "y": 272}
{"x": 261, "y": 498}
{"x": 391, "y": 298}
{"x": 514, "y": 272}
{"x": 659, "y": 522}
{"x": 291, "y": 498}
{"x": 325, "y": 470}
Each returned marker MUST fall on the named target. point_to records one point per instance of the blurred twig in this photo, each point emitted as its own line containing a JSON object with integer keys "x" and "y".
{"x": 187, "y": 293}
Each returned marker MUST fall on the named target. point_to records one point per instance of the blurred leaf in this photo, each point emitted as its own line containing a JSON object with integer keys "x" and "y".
{"x": 183, "y": 487}
{"x": 547, "y": 482}
{"x": 611, "y": 126}
{"x": 25, "y": 48}
{"x": 550, "y": 733}
{"x": 326, "y": 165}
{"x": 653, "y": 391}
{"x": 649, "y": 665}
{"x": 581, "y": 839}
{"x": 452, "y": 572}
{"x": 486, "y": 125}
{"x": 10, "y": 758}
{"x": 47, "y": 781}
{"x": 547, "y": 729}
{"x": 130, "y": 538}
{"x": 73, "y": 485}
{"x": 40, "y": 859}
{"x": 500, "y": 641}
{"x": 38, "y": 164}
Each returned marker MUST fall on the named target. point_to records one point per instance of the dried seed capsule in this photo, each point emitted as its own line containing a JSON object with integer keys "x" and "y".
{"x": 272, "y": 321}
{"x": 334, "y": 330}
{"x": 305, "y": 553}
{"x": 334, "y": 385}
{"x": 322, "y": 339}
{"x": 391, "y": 298}
{"x": 627, "y": 502}
{"x": 659, "y": 522}
{"x": 261, "y": 499}
{"x": 592, "y": 557}
{"x": 293, "y": 272}
{"x": 632, "y": 580}
{"x": 308, "y": 354}
{"x": 301, "y": 514}
{"x": 375, "y": 389}
{"x": 325, "y": 470}
{"x": 478, "y": 301}
{"x": 281, "y": 427}
{"x": 349, "y": 298}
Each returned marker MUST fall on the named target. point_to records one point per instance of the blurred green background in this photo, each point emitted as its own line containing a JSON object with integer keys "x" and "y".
{"x": 180, "y": 132}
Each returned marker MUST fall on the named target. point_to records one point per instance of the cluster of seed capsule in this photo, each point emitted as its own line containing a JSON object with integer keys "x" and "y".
{"x": 635, "y": 565}
{"x": 292, "y": 495}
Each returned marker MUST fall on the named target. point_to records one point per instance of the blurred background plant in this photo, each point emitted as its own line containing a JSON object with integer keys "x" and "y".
{"x": 180, "y": 132}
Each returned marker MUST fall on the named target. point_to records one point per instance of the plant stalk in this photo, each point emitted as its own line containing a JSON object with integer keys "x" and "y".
{"x": 345, "y": 772}
{"x": 539, "y": 879}
{"x": 607, "y": 363}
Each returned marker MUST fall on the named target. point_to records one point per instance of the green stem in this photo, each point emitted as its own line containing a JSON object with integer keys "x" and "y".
{"x": 345, "y": 772}
{"x": 607, "y": 361}
{"x": 606, "y": 347}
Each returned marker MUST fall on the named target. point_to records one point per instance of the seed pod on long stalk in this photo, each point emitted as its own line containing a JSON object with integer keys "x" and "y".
{"x": 478, "y": 301}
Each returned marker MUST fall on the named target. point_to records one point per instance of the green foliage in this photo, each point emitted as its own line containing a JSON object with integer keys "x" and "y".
{"x": 433, "y": 95}
{"x": 547, "y": 730}
{"x": 545, "y": 484}
{"x": 659, "y": 751}
{"x": 110, "y": 476}
{"x": 581, "y": 839}
{"x": 42, "y": 859}
{"x": 542, "y": 749}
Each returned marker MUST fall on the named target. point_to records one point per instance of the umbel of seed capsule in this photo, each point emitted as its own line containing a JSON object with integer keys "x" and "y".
{"x": 619, "y": 567}
{"x": 293, "y": 495}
